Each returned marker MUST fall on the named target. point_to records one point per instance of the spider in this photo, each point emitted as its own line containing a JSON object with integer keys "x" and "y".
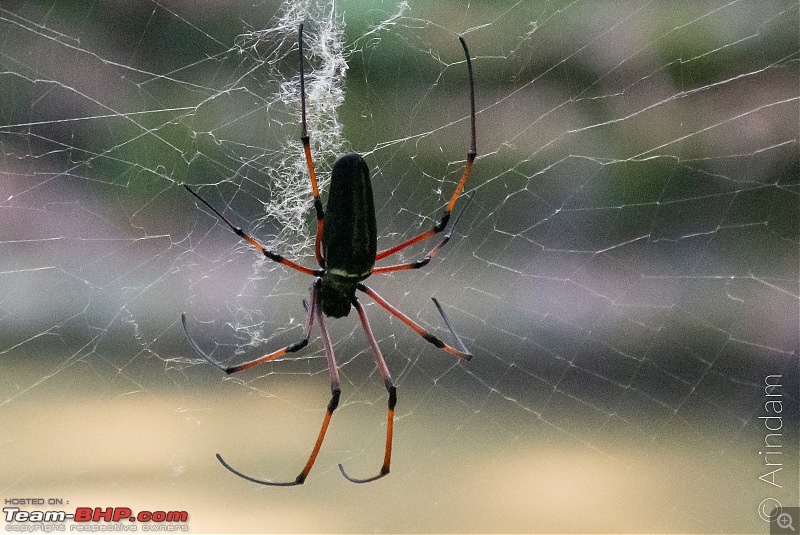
{"x": 346, "y": 251}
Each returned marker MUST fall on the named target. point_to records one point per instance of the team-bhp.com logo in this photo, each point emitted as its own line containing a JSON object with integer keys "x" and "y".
{"x": 90, "y": 519}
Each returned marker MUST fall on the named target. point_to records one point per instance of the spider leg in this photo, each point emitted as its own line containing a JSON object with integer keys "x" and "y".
{"x": 239, "y": 232}
{"x": 271, "y": 356}
{"x": 390, "y": 388}
{"x": 442, "y": 223}
{"x": 462, "y": 351}
{"x": 333, "y": 371}
{"x": 424, "y": 261}
{"x": 305, "y": 139}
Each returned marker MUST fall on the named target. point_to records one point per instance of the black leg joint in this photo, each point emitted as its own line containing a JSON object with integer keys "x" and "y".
{"x": 298, "y": 346}
{"x": 442, "y": 223}
{"x": 318, "y": 209}
{"x": 392, "y": 396}
{"x": 421, "y": 263}
{"x": 334, "y": 402}
{"x": 432, "y": 339}
{"x": 273, "y": 256}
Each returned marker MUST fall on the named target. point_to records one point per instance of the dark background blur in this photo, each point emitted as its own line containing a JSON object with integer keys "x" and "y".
{"x": 626, "y": 273}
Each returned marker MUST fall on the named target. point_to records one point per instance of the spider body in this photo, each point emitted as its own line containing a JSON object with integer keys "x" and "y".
{"x": 346, "y": 251}
{"x": 349, "y": 240}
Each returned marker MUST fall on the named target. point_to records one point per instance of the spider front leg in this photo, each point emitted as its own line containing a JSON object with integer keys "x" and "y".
{"x": 306, "y": 140}
{"x": 442, "y": 223}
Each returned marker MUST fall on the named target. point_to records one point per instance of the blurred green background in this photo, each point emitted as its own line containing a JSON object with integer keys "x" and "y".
{"x": 626, "y": 273}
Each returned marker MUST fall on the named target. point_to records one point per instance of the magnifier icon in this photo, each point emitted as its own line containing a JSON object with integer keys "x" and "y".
{"x": 784, "y": 520}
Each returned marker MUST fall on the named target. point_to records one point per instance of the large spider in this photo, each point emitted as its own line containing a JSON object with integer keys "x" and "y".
{"x": 346, "y": 250}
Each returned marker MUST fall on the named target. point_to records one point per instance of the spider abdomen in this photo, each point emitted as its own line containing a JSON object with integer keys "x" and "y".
{"x": 349, "y": 238}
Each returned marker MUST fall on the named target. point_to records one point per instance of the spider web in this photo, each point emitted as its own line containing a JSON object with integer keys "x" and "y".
{"x": 625, "y": 267}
